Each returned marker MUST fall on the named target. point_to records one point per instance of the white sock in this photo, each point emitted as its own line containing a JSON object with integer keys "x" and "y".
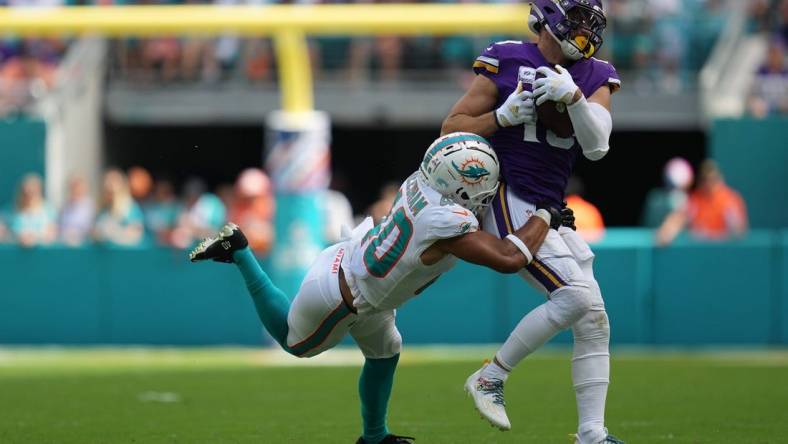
{"x": 531, "y": 333}
{"x": 591, "y": 413}
{"x": 494, "y": 371}
{"x": 591, "y": 376}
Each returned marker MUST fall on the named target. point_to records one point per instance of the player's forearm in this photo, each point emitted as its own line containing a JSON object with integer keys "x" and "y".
{"x": 592, "y": 124}
{"x": 533, "y": 233}
{"x": 483, "y": 125}
{"x": 520, "y": 247}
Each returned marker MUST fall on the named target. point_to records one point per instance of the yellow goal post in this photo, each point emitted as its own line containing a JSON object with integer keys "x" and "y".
{"x": 288, "y": 25}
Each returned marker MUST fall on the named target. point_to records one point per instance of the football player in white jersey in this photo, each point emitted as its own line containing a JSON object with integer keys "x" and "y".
{"x": 355, "y": 286}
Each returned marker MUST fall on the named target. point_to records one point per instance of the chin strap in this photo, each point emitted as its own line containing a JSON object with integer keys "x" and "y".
{"x": 570, "y": 51}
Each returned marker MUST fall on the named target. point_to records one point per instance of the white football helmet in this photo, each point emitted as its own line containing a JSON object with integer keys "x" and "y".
{"x": 464, "y": 168}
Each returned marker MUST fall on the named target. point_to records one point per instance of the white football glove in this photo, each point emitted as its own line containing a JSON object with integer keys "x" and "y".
{"x": 517, "y": 109}
{"x": 555, "y": 86}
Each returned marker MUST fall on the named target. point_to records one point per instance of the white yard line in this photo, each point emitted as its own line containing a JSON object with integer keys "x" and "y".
{"x": 124, "y": 357}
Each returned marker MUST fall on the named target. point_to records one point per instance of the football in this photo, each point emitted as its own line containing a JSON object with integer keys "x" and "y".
{"x": 554, "y": 116}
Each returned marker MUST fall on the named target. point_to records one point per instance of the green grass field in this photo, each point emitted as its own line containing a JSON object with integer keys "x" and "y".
{"x": 232, "y": 395}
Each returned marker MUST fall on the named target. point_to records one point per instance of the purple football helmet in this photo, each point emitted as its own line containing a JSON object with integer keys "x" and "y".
{"x": 576, "y": 25}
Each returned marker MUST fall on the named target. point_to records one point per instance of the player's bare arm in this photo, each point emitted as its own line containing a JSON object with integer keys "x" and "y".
{"x": 472, "y": 112}
{"x": 502, "y": 255}
{"x": 507, "y": 255}
{"x": 601, "y": 96}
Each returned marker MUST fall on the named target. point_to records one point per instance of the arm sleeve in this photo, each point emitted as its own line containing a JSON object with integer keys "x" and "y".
{"x": 593, "y": 125}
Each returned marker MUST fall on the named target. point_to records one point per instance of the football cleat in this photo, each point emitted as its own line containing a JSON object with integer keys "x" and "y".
{"x": 391, "y": 439}
{"x": 487, "y": 397}
{"x": 221, "y": 247}
{"x": 609, "y": 439}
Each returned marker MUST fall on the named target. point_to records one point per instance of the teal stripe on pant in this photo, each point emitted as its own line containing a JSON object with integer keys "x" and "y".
{"x": 321, "y": 333}
{"x": 273, "y": 306}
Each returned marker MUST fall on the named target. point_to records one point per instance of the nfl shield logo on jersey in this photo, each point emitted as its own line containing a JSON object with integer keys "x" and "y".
{"x": 526, "y": 74}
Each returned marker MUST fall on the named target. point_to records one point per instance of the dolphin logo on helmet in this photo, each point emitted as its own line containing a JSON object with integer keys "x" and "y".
{"x": 474, "y": 172}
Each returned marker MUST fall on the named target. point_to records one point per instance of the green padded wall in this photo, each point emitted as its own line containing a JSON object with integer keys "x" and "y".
{"x": 753, "y": 156}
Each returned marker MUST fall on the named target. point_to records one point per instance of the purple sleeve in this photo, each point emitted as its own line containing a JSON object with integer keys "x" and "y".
{"x": 601, "y": 74}
{"x": 488, "y": 63}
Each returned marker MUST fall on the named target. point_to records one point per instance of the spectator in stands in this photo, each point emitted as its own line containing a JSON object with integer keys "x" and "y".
{"x": 384, "y": 52}
{"x": 202, "y": 215}
{"x": 588, "y": 219}
{"x": 27, "y": 69}
{"x": 140, "y": 185}
{"x": 660, "y": 202}
{"x": 670, "y": 31}
{"x": 253, "y": 208}
{"x": 770, "y": 86}
{"x": 631, "y": 43}
{"x": 258, "y": 60}
{"x": 76, "y": 216}
{"x": 120, "y": 221}
{"x": 713, "y": 210}
{"x": 161, "y": 211}
{"x": 380, "y": 208}
{"x": 196, "y": 61}
{"x": 161, "y": 58}
{"x": 33, "y": 221}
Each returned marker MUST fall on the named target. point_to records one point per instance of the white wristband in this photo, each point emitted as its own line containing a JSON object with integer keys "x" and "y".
{"x": 543, "y": 214}
{"x": 521, "y": 246}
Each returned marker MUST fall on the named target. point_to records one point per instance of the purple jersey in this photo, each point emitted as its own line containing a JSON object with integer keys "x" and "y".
{"x": 535, "y": 163}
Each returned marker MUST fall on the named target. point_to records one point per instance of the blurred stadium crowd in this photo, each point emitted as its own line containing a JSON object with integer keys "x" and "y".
{"x": 657, "y": 45}
{"x": 769, "y": 95}
{"x": 27, "y": 71}
{"x": 135, "y": 210}
{"x": 701, "y": 203}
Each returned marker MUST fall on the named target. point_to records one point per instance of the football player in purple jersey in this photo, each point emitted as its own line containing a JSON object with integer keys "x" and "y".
{"x": 514, "y": 78}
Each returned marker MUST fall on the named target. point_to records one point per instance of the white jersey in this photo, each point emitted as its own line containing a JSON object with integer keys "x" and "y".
{"x": 384, "y": 265}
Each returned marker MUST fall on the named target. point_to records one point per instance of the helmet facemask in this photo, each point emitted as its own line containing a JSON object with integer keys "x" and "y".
{"x": 576, "y": 25}
{"x": 477, "y": 203}
{"x": 585, "y": 29}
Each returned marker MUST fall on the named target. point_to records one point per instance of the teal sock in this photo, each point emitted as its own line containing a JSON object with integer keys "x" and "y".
{"x": 374, "y": 388}
{"x": 272, "y": 305}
